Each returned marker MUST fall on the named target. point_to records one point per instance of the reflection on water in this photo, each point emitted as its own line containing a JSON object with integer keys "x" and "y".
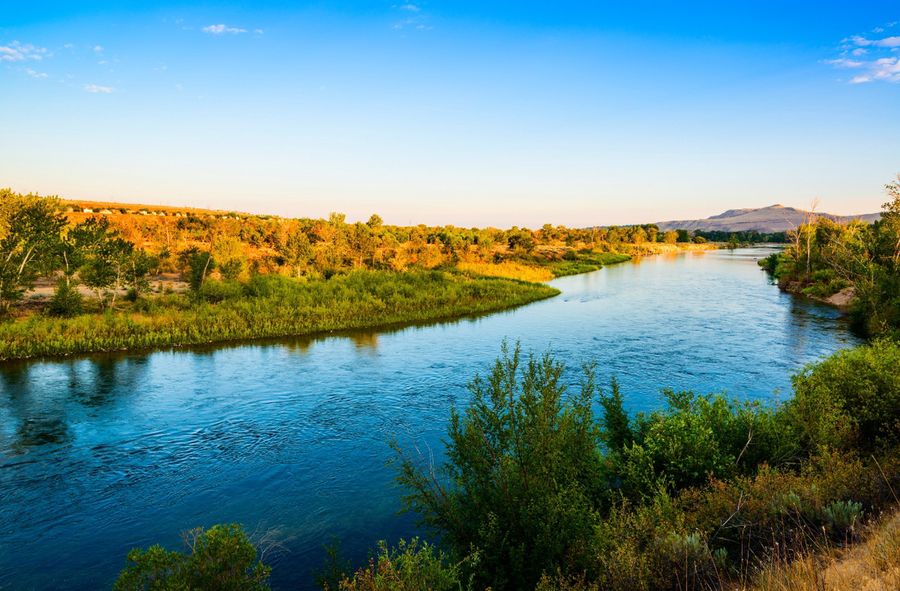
{"x": 103, "y": 453}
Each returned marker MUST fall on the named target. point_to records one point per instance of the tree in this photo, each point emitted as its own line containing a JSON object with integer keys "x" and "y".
{"x": 198, "y": 264}
{"x": 296, "y": 250}
{"x": 139, "y": 265}
{"x": 523, "y": 476}
{"x": 375, "y": 222}
{"x": 230, "y": 257}
{"x": 103, "y": 257}
{"x": 30, "y": 230}
{"x": 220, "y": 558}
{"x": 670, "y": 237}
{"x": 889, "y": 226}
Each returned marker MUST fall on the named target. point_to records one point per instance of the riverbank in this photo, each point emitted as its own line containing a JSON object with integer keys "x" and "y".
{"x": 539, "y": 269}
{"x": 551, "y": 265}
{"x": 268, "y": 307}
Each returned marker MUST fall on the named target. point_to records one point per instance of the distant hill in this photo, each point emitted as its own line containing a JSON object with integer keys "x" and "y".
{"x": 775, "y": 218}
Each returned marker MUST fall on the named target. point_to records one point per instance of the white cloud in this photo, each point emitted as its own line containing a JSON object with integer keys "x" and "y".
{"x": 35, "y": 74}
{"x": 885, "y": 42}
{"x": 223, "y": 29}
{"x": 845, "y": 63}
{"x": 882, "y": 65}
{"x": 17, "y": 52}
{"x": 413, "y": 18}
{"x": 98, "y": 49}
{"x": 96, "y": 89}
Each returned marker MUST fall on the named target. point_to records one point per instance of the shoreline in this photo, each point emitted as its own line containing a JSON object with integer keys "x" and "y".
{"x": 418, "y": 298}
{"x": 131, "y": 331}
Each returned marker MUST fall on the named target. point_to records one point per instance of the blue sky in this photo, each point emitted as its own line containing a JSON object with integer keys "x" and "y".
{"x": 471, "y": 113}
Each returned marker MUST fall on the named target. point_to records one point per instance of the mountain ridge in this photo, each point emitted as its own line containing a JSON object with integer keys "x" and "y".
{"x": 774, "y": 218}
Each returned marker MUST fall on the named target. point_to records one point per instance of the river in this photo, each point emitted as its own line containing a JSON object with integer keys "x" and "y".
{"x": 100, "y": 454}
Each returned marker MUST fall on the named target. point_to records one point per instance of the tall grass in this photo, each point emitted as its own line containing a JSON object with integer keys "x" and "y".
{"x": 269, "y": 306}
{"x": 509, "y": 270}
{"x": 538, "y": 269}
{"x": 587, "y": 262}
{"x": 871, "y": 566}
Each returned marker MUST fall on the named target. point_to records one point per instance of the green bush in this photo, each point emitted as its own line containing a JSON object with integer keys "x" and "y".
{"x": 220, "y": 291}
{"x": 220, "y": 558}
{"x": 842, "y": 516}
{"x": 66, "y": 301}
{"x": 524, "y": 480}
{"x": 850, "y": 400}
{"x": 411, "y": 566}
{"x": 697, "y": 437}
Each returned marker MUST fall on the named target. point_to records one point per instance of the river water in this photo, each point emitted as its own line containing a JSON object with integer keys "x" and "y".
{"x": 290, "y": 438}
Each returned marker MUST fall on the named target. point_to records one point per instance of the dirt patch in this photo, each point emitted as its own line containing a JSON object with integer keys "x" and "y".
{"x": 843, "y": 298}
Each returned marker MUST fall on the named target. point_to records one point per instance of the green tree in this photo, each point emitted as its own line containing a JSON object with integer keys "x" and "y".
{"x": 523, "y": 477}
{"x": 220, "y": 558}
{"x": 615, "y": 429}
{"x": 30, "y": 240}
{"x": 198, "y": 264}
{"x": 296, "y": 250}
{"x": 104, "y": 258}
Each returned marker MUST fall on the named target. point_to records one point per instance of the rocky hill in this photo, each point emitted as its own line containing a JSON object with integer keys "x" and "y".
{"x": 775, "y": 218}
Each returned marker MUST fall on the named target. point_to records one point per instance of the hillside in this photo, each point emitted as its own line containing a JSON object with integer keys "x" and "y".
{"x": 775, "y": 218}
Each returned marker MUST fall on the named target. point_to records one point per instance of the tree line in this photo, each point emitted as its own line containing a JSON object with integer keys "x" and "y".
{"x": 824, "y": 257}
{"x": 114, "y": 255}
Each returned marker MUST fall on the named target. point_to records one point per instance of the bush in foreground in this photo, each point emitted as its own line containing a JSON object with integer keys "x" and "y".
{"x": 220, "y": 558}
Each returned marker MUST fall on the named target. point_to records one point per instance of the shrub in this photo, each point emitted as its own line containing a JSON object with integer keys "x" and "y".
{"x": 220, "y": 558}
{"x": 524, "y": 477}
{"x": 220, "y": 291}
{"x": 850, "y": 400}
{"x": 411, "y": 566}
{"x": 842, "y": 516}
{"x": 66, "y": 301}
{"x": 697, "y": 437}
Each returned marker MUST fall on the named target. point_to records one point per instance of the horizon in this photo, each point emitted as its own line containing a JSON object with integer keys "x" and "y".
{"x": 508, "y": 114}
{"x": 364, "y": 218}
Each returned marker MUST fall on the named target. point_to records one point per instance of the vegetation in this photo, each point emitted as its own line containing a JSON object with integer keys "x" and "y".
{"x": 269, "y": 306}
{"x": 86, "y": 277}
{"x": 824, "y": 258}
{"x": 539, "y": 492}
{"x": 545, "y": 488}
{"x": 220, "y": 558}
{"x": 696, "y": 495}
{"x": 872, "y": 565}
{"x": 412, "y": 566}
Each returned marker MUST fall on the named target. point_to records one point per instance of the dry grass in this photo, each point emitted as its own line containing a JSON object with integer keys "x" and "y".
{"x": 871, "y": 566}
{"x": 508, "y": 270}
{"x": 652, "y": 248}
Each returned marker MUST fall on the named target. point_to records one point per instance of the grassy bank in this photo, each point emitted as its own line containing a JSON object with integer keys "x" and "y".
{"x": 268, "y": 306}
{"x": 545, "y": 269}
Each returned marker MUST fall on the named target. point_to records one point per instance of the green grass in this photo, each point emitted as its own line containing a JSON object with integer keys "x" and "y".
{"x": 585, "y": 263}
{"x": 266, "y": 307}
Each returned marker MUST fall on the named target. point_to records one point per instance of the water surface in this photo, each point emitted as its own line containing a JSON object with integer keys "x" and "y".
{"x": 105, "y": 453}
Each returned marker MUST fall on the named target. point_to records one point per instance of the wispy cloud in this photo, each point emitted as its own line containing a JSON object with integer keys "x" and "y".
{"x": 409, "y": 7}
{"x": 223, "y": 30}
{"x": 885, "y": 42}
{"x": 97, "y": 89}
{"x": 413, "y": 18}
{"x": 35, "y": 73}
{"x": 883, "y": 63}
{"x": 17, "y": 52}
